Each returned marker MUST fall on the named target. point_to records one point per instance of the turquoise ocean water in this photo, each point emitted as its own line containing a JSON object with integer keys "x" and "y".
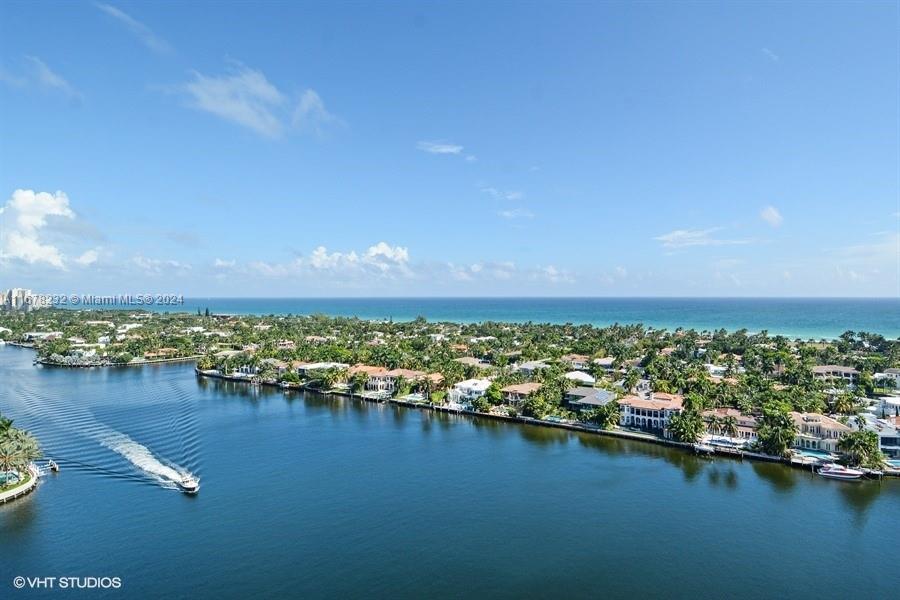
{"x": 794, "y": 317}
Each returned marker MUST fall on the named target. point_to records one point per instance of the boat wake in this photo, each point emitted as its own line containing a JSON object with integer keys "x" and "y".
{"x": 141, "y": 457}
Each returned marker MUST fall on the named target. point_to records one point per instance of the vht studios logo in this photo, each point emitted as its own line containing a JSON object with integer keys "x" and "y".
{"x": 68, "y": 583}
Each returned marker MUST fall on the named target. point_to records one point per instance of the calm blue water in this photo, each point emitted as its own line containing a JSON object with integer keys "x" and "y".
{"x": 795, "y": 317}
{"x": 317, "y": 497}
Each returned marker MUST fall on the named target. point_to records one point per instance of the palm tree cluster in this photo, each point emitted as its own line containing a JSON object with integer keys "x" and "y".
{"x": 18, "y": 448}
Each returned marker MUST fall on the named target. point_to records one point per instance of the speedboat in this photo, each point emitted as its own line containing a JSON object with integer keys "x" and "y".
{"x": 53, "y": 466}
{"x": 835, "y": 471}
{"x": 189, "y": 484}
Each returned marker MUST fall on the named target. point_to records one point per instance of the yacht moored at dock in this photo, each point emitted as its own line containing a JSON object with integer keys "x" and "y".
{"x": 835, "y": 471}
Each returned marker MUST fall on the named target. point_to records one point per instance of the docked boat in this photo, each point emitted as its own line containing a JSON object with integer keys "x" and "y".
{"x": 189, "y": 484}
{"x": 835, "y": 471}
{"x": 705, "y": 448}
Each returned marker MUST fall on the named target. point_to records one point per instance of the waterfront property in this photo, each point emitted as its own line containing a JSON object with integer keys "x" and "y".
{"x": 818, "y": 432}
{"x": 719, "y": 420}
{"x": 464, "y": 392}
{"x": 650, "y": 414}
{"x": 515, "y": 395}
{"x": 588, "y": 398}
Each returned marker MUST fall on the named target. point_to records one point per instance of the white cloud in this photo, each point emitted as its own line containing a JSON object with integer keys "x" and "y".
{"x": 516, "y": 213}
{"x": 439, "y": 148}
{"x": 311, "y": 115}
{"x": 554, "y": 275}
{"x": 246, "y": 97}
{"x": 771, "y": 55}
{"x": 23, "y": 217}
{"x": 770, "y": 215}
{"x": 138, "y": 29}
{"x": 684, "y": 238}
{"x": 224, "y": 264}
{"x": 157, "y": 266}
{"x": 381, "y": 259}
{"x": 471, "y": 158}
{"x": 498, "y": 194}
{"x": 243, "y": 96}
{"x": 51, "y": 80}
{"x": 88, "y": 258}
{"x": 38, "y": 75}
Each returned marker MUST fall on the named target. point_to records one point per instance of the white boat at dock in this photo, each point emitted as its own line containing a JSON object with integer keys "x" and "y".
{"x": 705, "y": 448}
{"x": 835, "y": 471}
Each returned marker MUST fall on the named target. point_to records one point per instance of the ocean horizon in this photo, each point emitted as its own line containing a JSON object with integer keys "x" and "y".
{"x": 805, "y": 318}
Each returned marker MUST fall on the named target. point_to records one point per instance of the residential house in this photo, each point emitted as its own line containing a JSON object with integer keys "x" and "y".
{"x": 304, "y": 369}
{"x": 746, "y": 424}
{"x": 285, "y": 345}
{"x": 818, "y": 432}
{"x": 471, "y": 361}
{"x": 581, "y": 377}
{"x": 849, "y": 375}
{"x": 515, "y": 395}
{"x": 650, "y": 414}
{"x": 579, "y": 362}
{"x": 464, "y": 392}
{"x": 888, "y": 431}
{"x": 529, "y": 368}
{"x": 588, "y": 398}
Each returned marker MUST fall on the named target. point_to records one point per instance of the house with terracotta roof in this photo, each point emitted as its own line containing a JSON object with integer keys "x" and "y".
{"x": 650, "y": 414}
{"x": 518, "y": 393}
{"x": 818, "y": 432}
{"x": 746, "y": 424}
{"x": 579, "y": 362}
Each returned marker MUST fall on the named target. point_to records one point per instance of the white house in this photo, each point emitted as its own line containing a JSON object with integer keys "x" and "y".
{"x": 464, "y": 392}
{"x": 580, "y": 377}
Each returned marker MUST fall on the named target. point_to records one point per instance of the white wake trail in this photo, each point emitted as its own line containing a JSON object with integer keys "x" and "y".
{"x": 141, "y": 457}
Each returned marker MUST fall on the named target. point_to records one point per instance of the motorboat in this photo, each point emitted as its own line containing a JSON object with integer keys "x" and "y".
{"x": 51, "y": 464}
{"x": 835, "y": 471}
{"x": 189, "y": 484}
{"x": 704, "y": 448}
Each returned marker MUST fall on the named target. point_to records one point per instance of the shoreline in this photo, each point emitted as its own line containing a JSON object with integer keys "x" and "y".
{"x": 23, "y": 489}
{"x": 574, "y": 427}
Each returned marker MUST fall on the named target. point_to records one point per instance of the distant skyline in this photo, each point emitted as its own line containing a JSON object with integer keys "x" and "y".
{"x": 467, "y": 149}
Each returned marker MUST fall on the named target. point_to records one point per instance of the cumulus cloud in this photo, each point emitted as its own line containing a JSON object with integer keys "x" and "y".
{"x": 439, "y": 147}
{"x": 553, "y": 275}
{"x": 88, "y": 258}
{"x": 770, "y": 215}
{"x": 685, "y": 238}
{"x": 138, "y": 29}
{"x": 23, "y": 218}
{"x": 380, "y": 259}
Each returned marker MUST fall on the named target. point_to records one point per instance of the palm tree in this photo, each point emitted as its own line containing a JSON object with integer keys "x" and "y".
{"x": 730, "y": 426}
{"x": 714, "y": 424}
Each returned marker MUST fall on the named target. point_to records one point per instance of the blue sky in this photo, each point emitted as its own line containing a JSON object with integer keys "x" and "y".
{"x": 472, "y": 149}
